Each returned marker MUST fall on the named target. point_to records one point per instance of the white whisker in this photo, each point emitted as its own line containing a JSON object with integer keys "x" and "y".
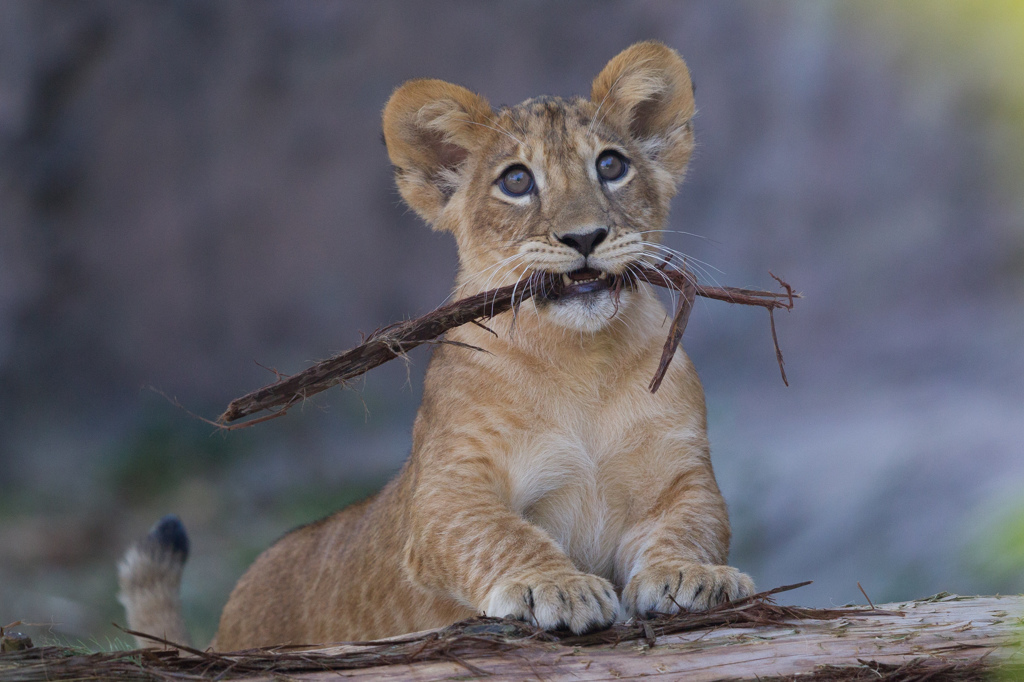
{"x": 696, "y": 264}
{"x": 688, "y": 234}
{"x": 526, "y": 268}
{"x": 466, "y": 285}
{"x": 515, "y": 306}
{"x": 594, "y": 120}
{"x": 681, "y": 255}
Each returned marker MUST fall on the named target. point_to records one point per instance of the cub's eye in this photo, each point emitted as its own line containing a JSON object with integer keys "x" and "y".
{"x": 612, "y": 165}
{"x": 516, "y": 181}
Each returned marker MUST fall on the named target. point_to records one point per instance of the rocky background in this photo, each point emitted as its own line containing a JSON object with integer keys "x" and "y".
{"x": 188, "y": 188}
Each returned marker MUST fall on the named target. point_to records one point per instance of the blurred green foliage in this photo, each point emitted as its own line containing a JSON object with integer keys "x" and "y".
{"x": 161, "y": 452}
{"x": 999, "y": 551}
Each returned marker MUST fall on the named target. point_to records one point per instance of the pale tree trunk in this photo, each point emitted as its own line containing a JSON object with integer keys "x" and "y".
{"x": 951, "y": 637}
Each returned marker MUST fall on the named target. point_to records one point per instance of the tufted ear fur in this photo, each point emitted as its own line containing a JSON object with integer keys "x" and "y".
{"x": 430, "y": 128}
{"x": 647, "y": 90}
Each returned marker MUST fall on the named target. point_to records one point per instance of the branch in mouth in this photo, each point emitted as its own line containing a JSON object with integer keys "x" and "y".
{"x": 397, "y": 339}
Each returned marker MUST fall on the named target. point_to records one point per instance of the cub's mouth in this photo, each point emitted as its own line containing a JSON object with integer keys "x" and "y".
{"x": 582, "y": 282}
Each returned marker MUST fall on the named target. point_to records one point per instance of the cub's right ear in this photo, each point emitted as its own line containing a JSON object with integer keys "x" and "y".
{"x": 430, "y": 127}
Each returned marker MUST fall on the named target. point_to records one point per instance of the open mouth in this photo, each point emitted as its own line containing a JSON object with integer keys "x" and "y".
{"x": 583, "y": 281}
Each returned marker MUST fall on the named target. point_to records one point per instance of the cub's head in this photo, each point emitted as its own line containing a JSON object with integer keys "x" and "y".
{"x": 575, "y": 187}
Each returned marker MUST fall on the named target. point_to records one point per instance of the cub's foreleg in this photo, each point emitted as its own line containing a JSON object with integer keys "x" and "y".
{"x": 674, "y": 557}
{"x": 466, "y": 541}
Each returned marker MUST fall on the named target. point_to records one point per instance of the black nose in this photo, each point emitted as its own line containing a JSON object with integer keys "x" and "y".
{"x": 586, "y": 242}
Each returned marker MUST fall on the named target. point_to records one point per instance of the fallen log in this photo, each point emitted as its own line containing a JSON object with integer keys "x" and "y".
{"x": 945, "y": 637}
{"x": 397, "y": 339}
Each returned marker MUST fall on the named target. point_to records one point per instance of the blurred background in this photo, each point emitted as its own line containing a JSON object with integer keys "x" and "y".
{"x": 189, "y": 188}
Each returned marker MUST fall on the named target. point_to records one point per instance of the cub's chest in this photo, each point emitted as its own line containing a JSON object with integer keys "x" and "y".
{"x": 575, "y": 489}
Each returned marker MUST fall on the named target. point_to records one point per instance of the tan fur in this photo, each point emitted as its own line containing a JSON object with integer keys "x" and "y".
{"x": 150, "y": 580}
{"x": 545, "y": 481}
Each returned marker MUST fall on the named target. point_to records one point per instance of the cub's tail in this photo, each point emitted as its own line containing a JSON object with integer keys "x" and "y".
{"x": 149, "y": 576}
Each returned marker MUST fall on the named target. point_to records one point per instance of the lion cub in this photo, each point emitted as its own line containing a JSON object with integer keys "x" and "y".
{"x": 546, "y": 483}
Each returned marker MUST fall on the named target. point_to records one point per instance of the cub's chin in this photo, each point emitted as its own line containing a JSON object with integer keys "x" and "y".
{"x": 585, "y": 300}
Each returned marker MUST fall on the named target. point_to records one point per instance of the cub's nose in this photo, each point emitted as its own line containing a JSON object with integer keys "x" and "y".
{"x": 584, "y": 242}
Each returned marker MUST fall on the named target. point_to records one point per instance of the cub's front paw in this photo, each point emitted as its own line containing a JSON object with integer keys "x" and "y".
{"x": 687, "y": 585}
{"x": 578, "y": 601}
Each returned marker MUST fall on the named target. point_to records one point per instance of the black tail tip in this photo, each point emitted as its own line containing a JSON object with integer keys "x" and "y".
{"x": 169, "y": 534}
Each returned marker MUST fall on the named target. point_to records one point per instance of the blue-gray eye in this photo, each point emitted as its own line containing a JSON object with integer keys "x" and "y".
{"x": 516, "y": 181}
{"x": 611, "y": 165}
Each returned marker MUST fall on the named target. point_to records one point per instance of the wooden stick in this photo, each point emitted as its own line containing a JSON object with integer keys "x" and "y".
{"x": 688, "y": 291}
{"x": 397, "y": 339}
{"x": 383, "y": 345}
{"x": 682, "y": 280}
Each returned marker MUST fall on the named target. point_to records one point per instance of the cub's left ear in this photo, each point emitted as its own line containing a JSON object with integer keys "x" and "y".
{"x": 646, "y": 89}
